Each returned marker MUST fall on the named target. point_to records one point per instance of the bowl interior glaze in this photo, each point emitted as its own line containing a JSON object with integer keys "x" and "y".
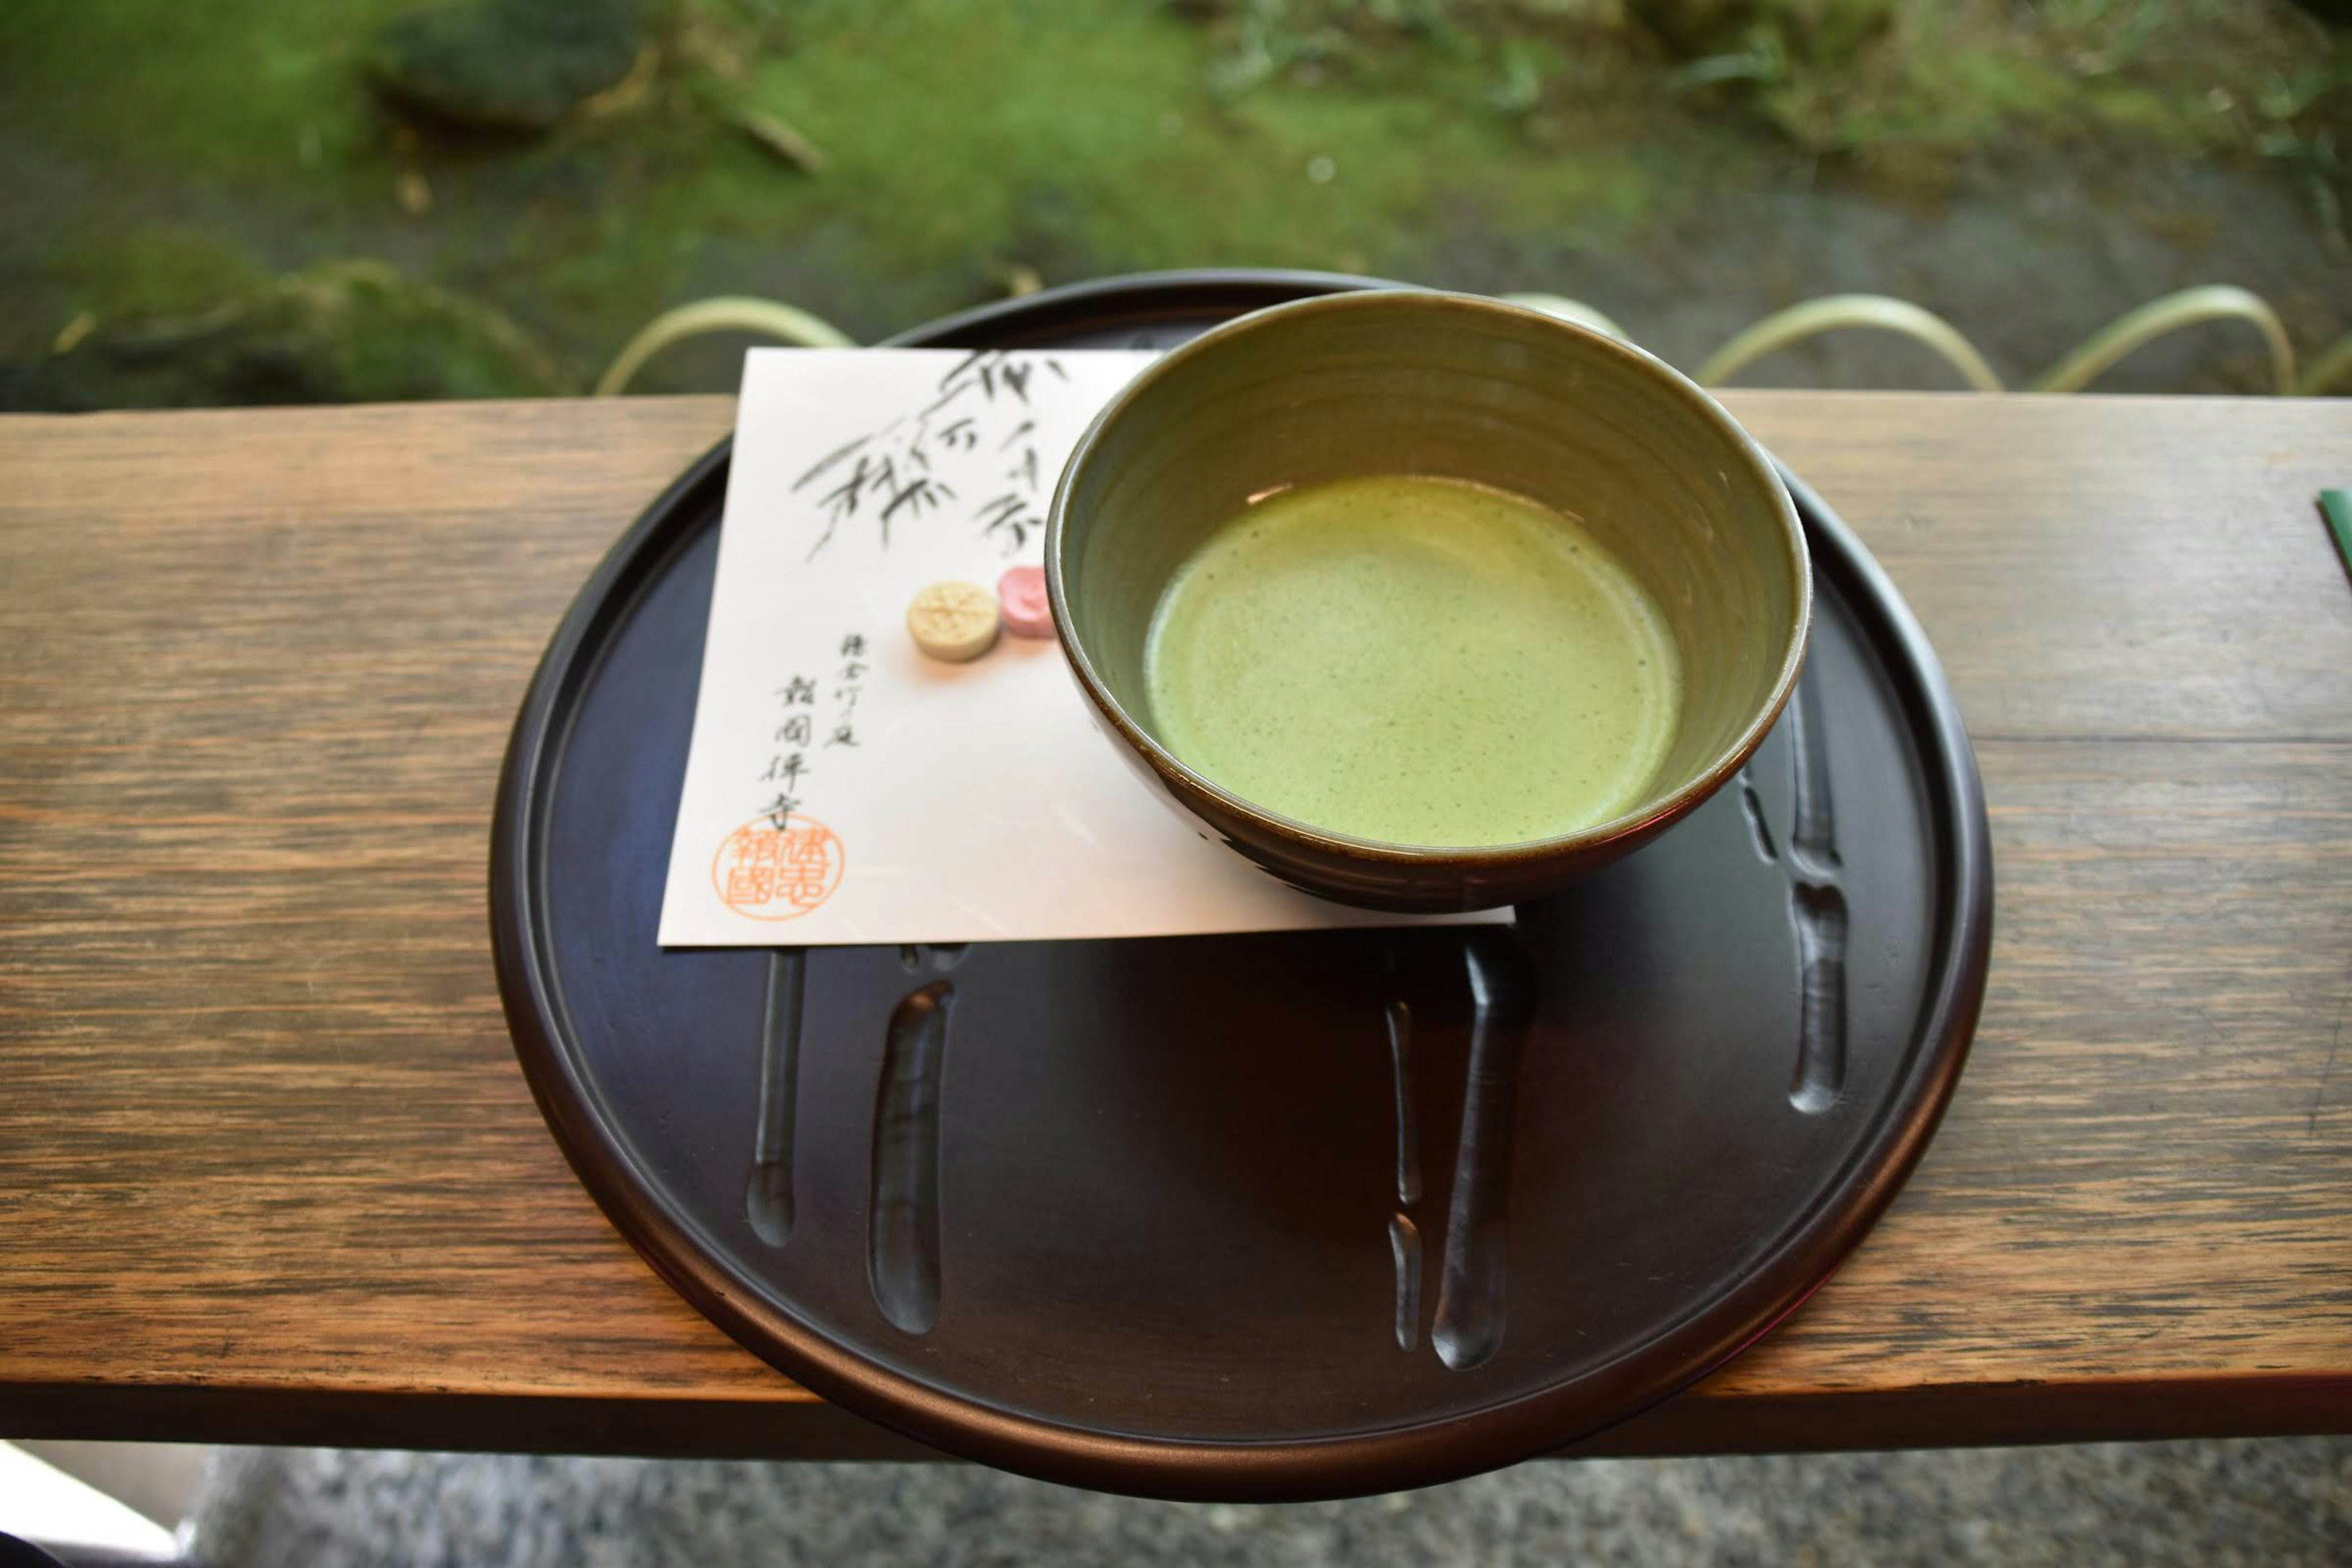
{"x": 1419, "y": 383}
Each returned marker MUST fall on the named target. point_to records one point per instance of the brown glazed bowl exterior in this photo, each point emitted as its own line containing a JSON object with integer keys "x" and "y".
{"x": 1413, "y": 382}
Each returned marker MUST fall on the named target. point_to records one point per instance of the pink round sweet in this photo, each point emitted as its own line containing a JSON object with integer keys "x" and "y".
{"x": 1020, "y": 599}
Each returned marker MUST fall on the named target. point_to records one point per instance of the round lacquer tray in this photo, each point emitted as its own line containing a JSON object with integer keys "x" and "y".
{"x": 1261, "y": 1216}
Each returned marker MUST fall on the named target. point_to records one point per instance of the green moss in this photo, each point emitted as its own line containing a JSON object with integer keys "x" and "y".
{"x": 2148, "y": 116}
{"x": 1461, "y": 140}
{"x": 1834, "y": 32}
{"x": 1966, "y": 79}
{"x": 154, "y": 270}
{"x": 341, "y": 333}
{"x": 377, "y": 337}
{"x": 1956, "y": 99}
{"x": 235, "y": 89}
{"x": 1105, "y": 140}
{"x": 1990, "y": 87}
{"x": 1085, "y": 136}
{"x": 936, "y": 118}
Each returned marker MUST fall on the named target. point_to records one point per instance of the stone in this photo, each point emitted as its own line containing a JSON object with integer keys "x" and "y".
{"x": 515, "y": 66}
{"x": 346, "y": 331}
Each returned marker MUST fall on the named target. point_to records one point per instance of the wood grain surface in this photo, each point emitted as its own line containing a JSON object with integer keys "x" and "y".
{"x": 268, "y": 1170}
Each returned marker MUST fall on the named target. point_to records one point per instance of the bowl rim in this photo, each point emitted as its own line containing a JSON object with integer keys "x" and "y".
{"x": 1647, "y": 815}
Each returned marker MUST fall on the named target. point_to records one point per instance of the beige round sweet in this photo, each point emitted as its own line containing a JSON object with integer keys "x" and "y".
{"x": 954, "y": 621}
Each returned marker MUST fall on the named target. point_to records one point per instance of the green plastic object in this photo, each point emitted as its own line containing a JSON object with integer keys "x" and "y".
{"x": 2337, "y": 507}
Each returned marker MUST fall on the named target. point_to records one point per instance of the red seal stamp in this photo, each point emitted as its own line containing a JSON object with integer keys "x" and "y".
{"x": 771, "y": 873}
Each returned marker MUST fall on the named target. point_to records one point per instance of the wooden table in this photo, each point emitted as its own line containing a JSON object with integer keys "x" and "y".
{"x": 268, "y": 1171}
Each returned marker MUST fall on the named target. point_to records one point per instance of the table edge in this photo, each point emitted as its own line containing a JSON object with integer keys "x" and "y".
{"x": 2263, "y": 1405}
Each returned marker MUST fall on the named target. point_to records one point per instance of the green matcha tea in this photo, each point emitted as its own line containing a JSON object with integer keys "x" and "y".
{"x": 1414, "y": 660}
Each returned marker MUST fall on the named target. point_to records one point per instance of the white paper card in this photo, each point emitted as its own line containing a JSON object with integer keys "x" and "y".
{"x": 842, "y": 787}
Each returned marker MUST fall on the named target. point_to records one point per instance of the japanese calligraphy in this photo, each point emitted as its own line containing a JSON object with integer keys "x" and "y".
{"x": 846, "y": 694}
{"x": 794, "y": 736}
{"x": 788, "y": 764}
{"x": 973, "y": 449}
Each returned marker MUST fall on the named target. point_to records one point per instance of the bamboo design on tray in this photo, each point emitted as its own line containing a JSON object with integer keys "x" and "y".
{"x": 767, "y": 1201}
{"x": 1466, "y": 1327}
{"x": 1817, "y": 904}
